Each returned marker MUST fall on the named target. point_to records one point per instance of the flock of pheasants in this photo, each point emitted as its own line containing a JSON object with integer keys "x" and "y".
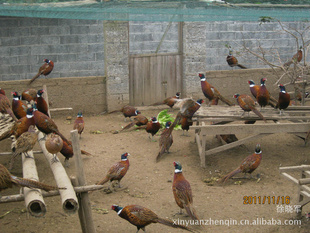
{"x": 34, "y": 114}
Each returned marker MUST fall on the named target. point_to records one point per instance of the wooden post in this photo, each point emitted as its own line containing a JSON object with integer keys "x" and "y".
{"x": 87, "y": 219}
{"x": 33, "y": 197}
{"x": 68, "y": 197}
{"x": 45, "y": 96}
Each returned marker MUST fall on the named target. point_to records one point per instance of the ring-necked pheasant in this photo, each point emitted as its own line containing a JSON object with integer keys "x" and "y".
{"x": 284, "y": 99}
{"x": 29, "y": 94}
{"x": 79, "y": 123}
{"x": 247, "y": 104}
{"x": 165, "y": 141}
{"x": 23, "y": 124}
{"x": 182, "y": 192}
{"x": 23, "y": 144}
{"x": 7, "y": 180}
{"x": 254, "y": 89}
{"x": 248, "y": 165}
{"x": 263, "y": 95}
{"x": 53, "y": 145}
{"x": 138, "y": 120}
{"x": 41, "y": 103}
{"x": 295, "y": 59}
{"x": 117, "y": 171}
{"x": 140, "y": 217}
{"x": 19, "y": 108}
{"x": 5, "y": 106}
{"x": 232, "y": 61}
{"x": 210, "y": 92}
{"x": 170, "y": 101}
{"x": 46, "y": 124}
{"x": 128, "y": 111}
{"x": 152, "y": 127}
{"x": 45, "y": 69}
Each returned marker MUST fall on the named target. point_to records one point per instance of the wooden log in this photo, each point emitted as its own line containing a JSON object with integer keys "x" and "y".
{"x": 21, "y": 197}
{"x": 10, "y": 153}
{"x": 289, "y": 177}
{"x": 304, "y": 181}
{"x": 68, "y": 197}
{"x": 33, "y": 198}
{"x": 295, "y": 168}
{"x": 86, "y": 220}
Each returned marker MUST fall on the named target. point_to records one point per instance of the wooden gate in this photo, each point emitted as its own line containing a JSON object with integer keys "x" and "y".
{"x": 154, "y": 77}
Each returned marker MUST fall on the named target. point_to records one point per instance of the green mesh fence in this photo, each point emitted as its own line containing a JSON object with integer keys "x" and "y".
{"x": 154, "y": 11}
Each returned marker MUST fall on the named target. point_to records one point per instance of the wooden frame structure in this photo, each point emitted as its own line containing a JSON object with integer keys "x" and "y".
{"x": 295, "y": 121}
{"x": 74, "y": 198}
{"x": 303, "y": 189}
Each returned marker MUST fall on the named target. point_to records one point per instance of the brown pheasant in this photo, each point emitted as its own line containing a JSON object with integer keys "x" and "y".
{"x": 182, "y": 192}
{"x": 23, "y": 144}
{"x": 53, "y": 145}
{"x": 79, "y": 123}
{"x": 248, "y": 165}
{"x": 140, "y": 217}
{"x": 117, "y": 171}
{"x": 7, "y": 180}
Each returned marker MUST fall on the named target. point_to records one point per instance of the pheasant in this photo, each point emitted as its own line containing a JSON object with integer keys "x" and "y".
{"x": 19, "y": 108}
{"x": 29, "y": 94}
{"x": 182, "y": 192}
{"x": 232, "y": 61}
{"x": 284, "y": 99}
{"x": 295, "y": 59}
{"x": 170, "y": 101}
{"x": 165, "y": 141}
{"x": 152, "y": 127}
{"x": 53, "y": 145}
{"x": 138, "y": 120}
{"x": 117, "y": 171}
{"x": 210, "y": 92}
{"x": 7, "y": 180}
{"x": 45, "y": 69}
{"x": 79, "y": 123}
{"x": 248, "y": 165}
{"x": 128, "y": 111}
{"x": 23, "y": 144}
{"x": 247, "y": 104}
{"x": 41, "y": 104}
{"x": 140, "y": 217}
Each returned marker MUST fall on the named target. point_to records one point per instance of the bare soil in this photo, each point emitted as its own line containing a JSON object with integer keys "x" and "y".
{"x": 148, "y": 183}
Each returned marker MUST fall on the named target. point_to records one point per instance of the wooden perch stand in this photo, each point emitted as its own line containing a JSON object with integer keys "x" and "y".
{"x": 303, "y": 189}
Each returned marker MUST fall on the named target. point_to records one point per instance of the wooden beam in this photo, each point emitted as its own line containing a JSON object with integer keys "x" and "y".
{"x": 21, "y": 197}
{"x": 233, "y": 144}
{"x": 254, "y": 129}
{"x": 289, "y": 177}
{"x": 68, "y": 197}
{"x": 85, "y": 212}
{"x": 304, "y": 181}
{"x": 33, "y": 198}
{"x": 295, "y": 168}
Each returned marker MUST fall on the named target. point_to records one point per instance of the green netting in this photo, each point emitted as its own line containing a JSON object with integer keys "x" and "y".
{"x": 155, "y": 11}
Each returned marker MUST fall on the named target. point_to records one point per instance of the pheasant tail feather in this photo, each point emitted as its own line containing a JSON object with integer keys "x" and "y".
{"x": 191, "y": 212}
{"x": 241, "y": 66}
{"x": 103, "y": 181}
{"x": 172, "y": 224}
{"x": 34, "y": 78}
{"x": 33, "y": 184}
{"x": 229, "y": 175}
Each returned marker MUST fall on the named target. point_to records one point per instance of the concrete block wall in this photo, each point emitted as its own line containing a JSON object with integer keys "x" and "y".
{"x": 75, "y": 46}
{"x": 145, "y": 37}
{"x": 269, "y": 36}
{"x": 80, "y": 93}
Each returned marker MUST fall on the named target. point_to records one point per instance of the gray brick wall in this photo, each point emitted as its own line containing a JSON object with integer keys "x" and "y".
{"x": 75, "y": 46}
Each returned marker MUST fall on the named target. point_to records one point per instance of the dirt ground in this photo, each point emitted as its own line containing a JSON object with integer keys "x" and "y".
{"x": 149, "y": 184}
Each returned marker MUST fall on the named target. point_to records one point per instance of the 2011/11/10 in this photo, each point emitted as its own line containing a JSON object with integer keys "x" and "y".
{"x": 249, "y": 200}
